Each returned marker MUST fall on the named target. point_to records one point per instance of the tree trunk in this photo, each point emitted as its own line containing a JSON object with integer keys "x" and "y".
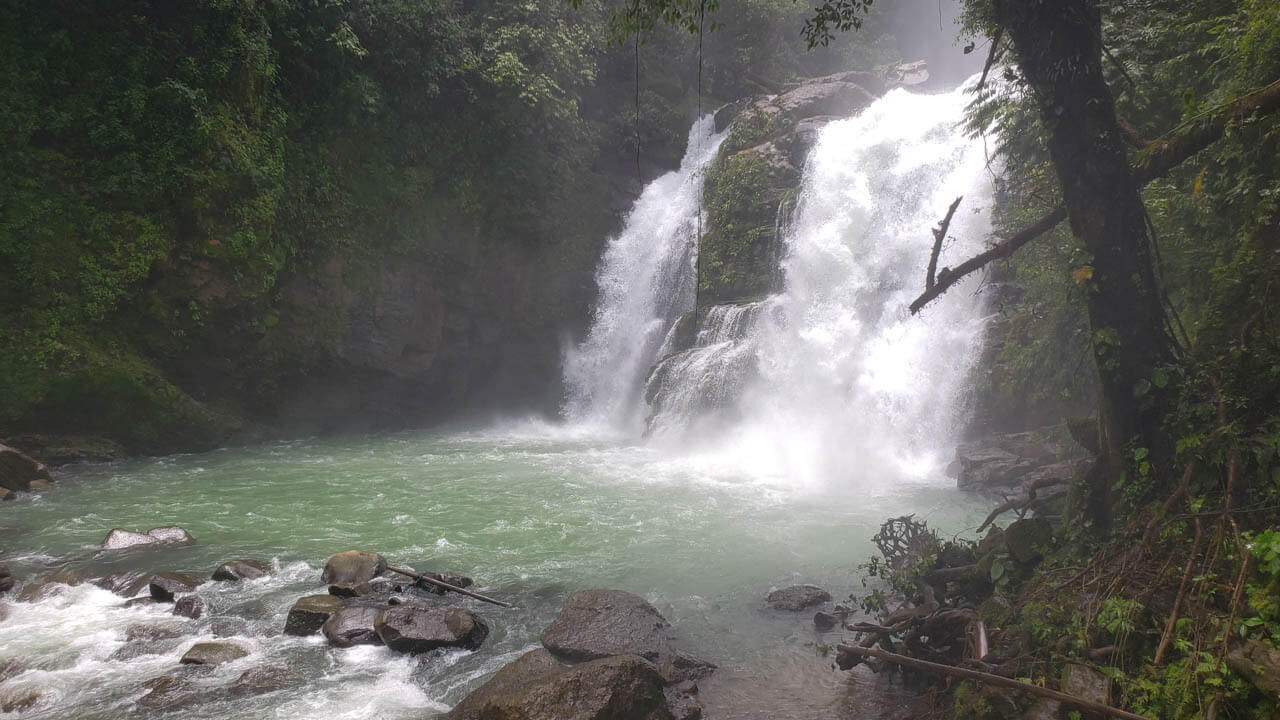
{"x": 1059, "y": 50}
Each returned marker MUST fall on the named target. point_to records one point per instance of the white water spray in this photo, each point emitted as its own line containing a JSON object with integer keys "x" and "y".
{"x": 646, "y": 280}
{"x": 849, "y": 384}
{"x": 832, "y": 378}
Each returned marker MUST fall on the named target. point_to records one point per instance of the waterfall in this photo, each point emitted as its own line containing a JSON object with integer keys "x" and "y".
{"x": 646, "y": 281}
{"x": 831, "y": 377}
{"x": 847, "y": 382}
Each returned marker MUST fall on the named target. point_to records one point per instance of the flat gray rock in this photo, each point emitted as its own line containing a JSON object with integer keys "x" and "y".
{"x": 213, "y": 653}
{"x": 797, "y": 597}
{"x": 600, "y": 623}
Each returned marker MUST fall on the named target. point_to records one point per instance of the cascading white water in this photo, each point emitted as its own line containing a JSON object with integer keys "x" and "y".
{"x": 832, "y": 378}
{"x": 848, "y": 383}
{"x": 646, "y": 281}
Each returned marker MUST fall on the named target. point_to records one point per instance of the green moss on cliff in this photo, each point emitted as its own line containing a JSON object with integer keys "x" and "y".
{"x": 738, "y": 256}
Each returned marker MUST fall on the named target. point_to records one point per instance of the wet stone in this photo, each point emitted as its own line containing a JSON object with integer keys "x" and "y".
{"x": 164, "y": 586}
{"x": 262, "y": 679}
{"x": 190, "y": 606}
{"x": 236, "y": 570}
{"x": 309, "y": 614}
{"x": 352, "y": 626}
{"x": 411, "y": 629}
{"x": 213, "y": 653}
{"x": 797, "y": 597}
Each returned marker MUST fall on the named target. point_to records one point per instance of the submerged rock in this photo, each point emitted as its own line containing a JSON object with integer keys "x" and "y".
{"x": 411, "y": 629}
{"x": 12, "y": 668}
{"x": 190, "y": 606}
{"x": 164, "y": 586}
{"x": 309, "y": 614}
{"x": 351, "y": 568}
{"x": 262, "y": 679}
{"x": 797, "y": 597}
{"x": 354, "y": 625}
{"x": 16, "y": 701}
{"x": 213, "y": 653}
{"x": 120, "y": 539}
{"x": 6, "y": 579}
{"x": 18, "y": 471}
{"x": 166, "y": 693}
{"x": 151, "y": 632}
{"x": 235, "y": 570}
{"x": 536, "y": 687}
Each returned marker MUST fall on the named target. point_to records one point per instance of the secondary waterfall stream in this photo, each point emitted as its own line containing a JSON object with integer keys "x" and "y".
{"x": 780, "y": 442}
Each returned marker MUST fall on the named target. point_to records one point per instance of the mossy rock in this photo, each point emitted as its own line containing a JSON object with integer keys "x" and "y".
{"x": 132, "y": 404}
{"x": 738, "y": 258}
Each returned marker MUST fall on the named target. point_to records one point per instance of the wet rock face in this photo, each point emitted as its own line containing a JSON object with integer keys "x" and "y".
{"x": 536, "y": 687}
{"x": 595, "y": 624}
{"x": 119, "y": 539}
{"x": 797, "y": 597}
{"x": 352, "y": 568}
{"x": 213, "y": 653}
{"x": 236, "y": 570}
{"x": 19, "y": 471}
{"x": 353, "y": 625}
{"x": 165, "y": 586}
{"x": 412, "y": 629}
{"x": 309, "y": 614}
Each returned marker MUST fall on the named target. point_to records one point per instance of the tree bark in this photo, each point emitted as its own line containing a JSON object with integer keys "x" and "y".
{"x": 1059, "y": 51}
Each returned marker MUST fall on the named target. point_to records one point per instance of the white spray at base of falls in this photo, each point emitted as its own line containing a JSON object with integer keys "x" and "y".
{"x": 832, "y": 379}
{"x": 646, "y": 280}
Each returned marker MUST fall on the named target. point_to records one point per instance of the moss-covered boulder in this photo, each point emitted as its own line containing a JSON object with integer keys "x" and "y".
{"x": 752, "y": 182}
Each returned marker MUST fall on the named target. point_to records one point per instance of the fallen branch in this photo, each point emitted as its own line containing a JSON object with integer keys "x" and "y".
{"x": 1182, "y": 591}
{"x": 1027, "y": 499}
{"x": 939, "y": 234}
{"x": 440, "y": 583}
{"x": 988, "y": 678}
{"x": 1157, "y": 160}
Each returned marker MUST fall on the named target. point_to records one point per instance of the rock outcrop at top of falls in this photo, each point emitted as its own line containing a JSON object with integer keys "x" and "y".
{"x": 758, "y": 170}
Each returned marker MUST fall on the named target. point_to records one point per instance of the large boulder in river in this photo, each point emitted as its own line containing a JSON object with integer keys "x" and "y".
{"x": 352, "y": 568}
{"x": 235, "y": 570}
{"x": 413, "y": 629}
{"x": 797, "y": 597}
{"x": 595, "y": 624}
{"x": 536, "y": 687}
{"x": 165, "y": 586}
{"x": 353, "y": 625}
{"x": 309, "y": 614}
{"x": 119, "y": 539}
{"x": 18, "y": 471}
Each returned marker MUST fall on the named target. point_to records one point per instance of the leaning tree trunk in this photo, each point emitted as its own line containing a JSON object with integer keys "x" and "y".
{"x": 1059, "y": 50}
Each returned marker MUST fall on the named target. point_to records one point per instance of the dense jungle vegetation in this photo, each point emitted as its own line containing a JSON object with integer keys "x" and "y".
{"x": 169, "y": 170}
